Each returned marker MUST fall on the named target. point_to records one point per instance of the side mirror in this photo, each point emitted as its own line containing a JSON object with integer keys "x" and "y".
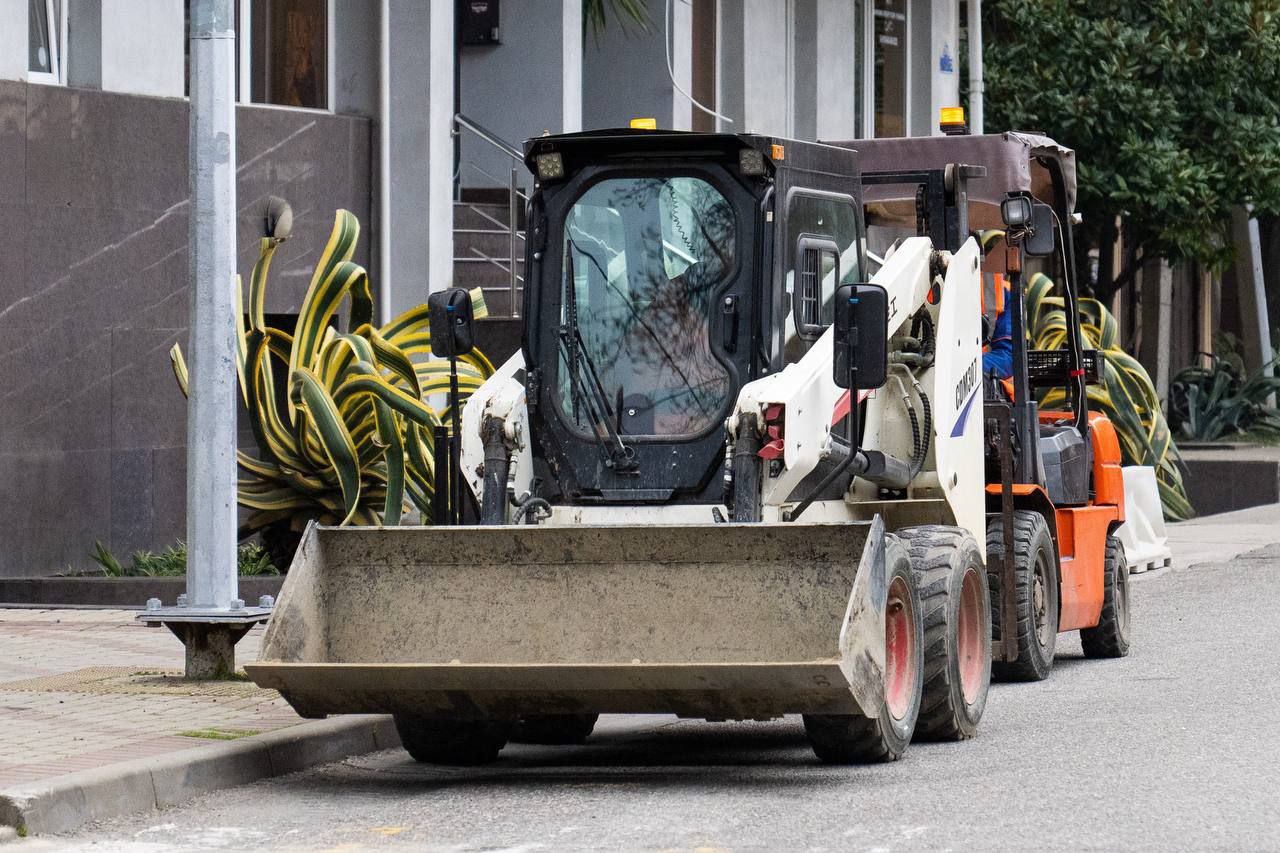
{"x": 1040, "y": 242}
{"x": 449, "y": 317}
{"x": 861, "y": 344}
{"x": 817, "y": 270}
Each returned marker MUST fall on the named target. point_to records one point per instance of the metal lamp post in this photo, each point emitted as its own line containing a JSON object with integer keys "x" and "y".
{"x": 211, "y": 618}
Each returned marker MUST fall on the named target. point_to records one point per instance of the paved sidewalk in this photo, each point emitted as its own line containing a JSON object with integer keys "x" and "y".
{"x": 1218, "y": 538}
{"x": 84, "y": 689}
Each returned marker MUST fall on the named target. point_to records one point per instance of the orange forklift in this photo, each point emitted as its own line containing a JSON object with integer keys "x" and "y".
{"x": 1055, "y": 493}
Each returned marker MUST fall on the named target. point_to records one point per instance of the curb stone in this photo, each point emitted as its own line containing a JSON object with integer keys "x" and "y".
{"x": 64, "y": 803}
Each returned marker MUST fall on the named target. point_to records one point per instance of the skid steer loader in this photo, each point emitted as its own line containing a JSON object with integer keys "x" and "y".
{"x": 732, "y": 474}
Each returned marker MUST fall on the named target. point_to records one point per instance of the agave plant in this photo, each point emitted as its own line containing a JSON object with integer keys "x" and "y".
{"x": 595, "y": 15}
{"x": 352, "y": 442}
{"x": 1127, "y": 395}
{"x": 1207, "y": 403}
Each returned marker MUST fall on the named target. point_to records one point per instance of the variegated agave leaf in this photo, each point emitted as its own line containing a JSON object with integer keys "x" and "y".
{"x": 343, "y": 421}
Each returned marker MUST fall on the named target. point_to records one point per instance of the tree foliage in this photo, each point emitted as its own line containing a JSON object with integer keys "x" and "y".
{"x": 1172, "y": 107}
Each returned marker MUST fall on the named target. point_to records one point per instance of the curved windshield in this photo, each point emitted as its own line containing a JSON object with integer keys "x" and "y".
{"x": 643, "y": 258}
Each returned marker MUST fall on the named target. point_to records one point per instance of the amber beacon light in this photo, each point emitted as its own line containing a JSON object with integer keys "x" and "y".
{"x": 951, "y": 121}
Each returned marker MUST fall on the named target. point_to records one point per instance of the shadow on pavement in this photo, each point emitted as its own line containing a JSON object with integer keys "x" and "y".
{"x": 696, "y": 755}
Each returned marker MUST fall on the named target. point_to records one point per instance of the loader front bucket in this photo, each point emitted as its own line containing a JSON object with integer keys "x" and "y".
{"x": 725, "y": 621}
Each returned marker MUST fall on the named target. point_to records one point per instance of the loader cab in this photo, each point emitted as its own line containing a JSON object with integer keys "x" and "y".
{"x": 662, "y": 270}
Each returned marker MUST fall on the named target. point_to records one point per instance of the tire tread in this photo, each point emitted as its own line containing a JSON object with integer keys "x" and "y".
{"x": 1108, "y": 639}
{"x": 1026, "y": 525}
{"x": 931, "y": 547}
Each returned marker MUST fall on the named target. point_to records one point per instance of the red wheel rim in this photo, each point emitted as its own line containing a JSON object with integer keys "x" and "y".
{"x": 969, "y": 636}
{"x": 900, "y": 650}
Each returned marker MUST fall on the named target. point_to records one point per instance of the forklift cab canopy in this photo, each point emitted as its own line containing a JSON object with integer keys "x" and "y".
{"x": 1014, "y": 161}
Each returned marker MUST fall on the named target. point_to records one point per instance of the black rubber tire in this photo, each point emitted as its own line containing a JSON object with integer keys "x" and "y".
{"x": 437, "y": 740}
{"x": 555, "y": 728}
{"x": 1037, "y": 638}
{"x": 857, "y": 739}
{"x": 1110, "y": 639}
{"x": 942, "y": 558}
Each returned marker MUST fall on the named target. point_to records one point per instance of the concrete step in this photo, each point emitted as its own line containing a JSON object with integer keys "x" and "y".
{"x": 494, "y": 243}
{"x": 482, "y": 274}
{"x": 483, "y": 195}
{"x": 466, "y": 215}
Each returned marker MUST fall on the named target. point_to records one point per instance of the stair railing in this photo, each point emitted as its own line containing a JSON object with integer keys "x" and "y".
{"x": 515, "y": 197}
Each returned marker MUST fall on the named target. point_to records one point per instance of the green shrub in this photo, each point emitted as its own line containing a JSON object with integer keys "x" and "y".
{"x": 172, "y": 561}
{"x": 1223, "y": 400}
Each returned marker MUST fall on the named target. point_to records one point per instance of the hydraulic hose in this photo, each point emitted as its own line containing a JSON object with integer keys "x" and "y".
{"x": 747, "y": 470}
{"x": 497, "y": 462}
{"x": 922, "y": 328}
{"x": 927, "y": 438}
{"x": 532, "y": 509}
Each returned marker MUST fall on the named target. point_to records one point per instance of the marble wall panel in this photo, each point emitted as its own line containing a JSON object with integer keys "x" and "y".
{"x": 94, "y": 291}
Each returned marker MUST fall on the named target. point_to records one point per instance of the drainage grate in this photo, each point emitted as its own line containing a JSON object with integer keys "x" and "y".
{"x": 101, "y": 680}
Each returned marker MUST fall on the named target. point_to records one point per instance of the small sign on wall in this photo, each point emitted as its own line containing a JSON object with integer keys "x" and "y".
{"x": 478, "y": 22}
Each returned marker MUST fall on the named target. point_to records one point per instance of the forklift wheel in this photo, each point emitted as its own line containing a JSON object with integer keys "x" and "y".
{"x": 555, "y": 728}
{"x": 1110, "y": 639}
{"x": 854, "y": 738}
{"x": 1036, "y": 593}
{"x": 957, "y": 630}
{"x": 437, "y": 740}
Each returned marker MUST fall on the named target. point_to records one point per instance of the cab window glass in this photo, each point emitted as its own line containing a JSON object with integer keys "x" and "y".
{"x": 643, "y": 259}
{"x": 825, "y": 218}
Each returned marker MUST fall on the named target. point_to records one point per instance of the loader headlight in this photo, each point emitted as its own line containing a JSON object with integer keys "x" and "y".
{"x": 1016, "y": 211}
{"x": 751, "y": 162}
{"x": 550, "y": 166}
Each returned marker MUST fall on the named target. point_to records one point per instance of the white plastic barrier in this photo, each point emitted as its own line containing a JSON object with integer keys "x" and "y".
{"x": 1146, "y": 543}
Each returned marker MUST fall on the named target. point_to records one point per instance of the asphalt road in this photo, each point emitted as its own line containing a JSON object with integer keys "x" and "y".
{"x": 1176, "y": 747}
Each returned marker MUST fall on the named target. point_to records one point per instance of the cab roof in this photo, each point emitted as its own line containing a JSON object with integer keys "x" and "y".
{"x": 1014, "y": 161}
{"x": 596, "y": 146}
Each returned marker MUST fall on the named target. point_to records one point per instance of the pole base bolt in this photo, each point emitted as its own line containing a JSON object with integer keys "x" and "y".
{"x": 153, "y": 604}
{"x": 182, "y": 599}
{"x": 266, "y": 601}
{"x": 237, "y": 604}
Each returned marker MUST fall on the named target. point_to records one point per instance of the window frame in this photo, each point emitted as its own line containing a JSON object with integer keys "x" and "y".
{"x": 244, "y": 56}
{"x": 244, "y": 61}
{"x": 56, "y": 12}
{"x": 659, "y": 169}
{"x": 788, "y": 244}
{"x": 825, "y": 245}
{"x": 869, "y": 77}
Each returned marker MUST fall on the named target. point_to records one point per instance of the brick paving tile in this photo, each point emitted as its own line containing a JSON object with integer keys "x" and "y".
{"x": 88, "y": 719}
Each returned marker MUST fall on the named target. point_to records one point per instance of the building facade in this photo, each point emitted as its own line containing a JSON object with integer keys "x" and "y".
{"x": 352, "y": 104}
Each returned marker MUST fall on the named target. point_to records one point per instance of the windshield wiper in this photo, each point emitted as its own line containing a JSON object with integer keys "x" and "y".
{"x": 618, "y": 456}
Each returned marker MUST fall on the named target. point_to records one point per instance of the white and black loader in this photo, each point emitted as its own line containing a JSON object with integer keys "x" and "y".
{"x": 732, "y": 474}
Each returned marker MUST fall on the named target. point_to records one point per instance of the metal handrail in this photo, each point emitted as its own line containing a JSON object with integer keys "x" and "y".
{"x": 493, "y": 219}
{"x": 488, "y": 136}
{"x": 460, "y": 123}
{"x": 481, "y": 256}
{"x": 475, "y": 167}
